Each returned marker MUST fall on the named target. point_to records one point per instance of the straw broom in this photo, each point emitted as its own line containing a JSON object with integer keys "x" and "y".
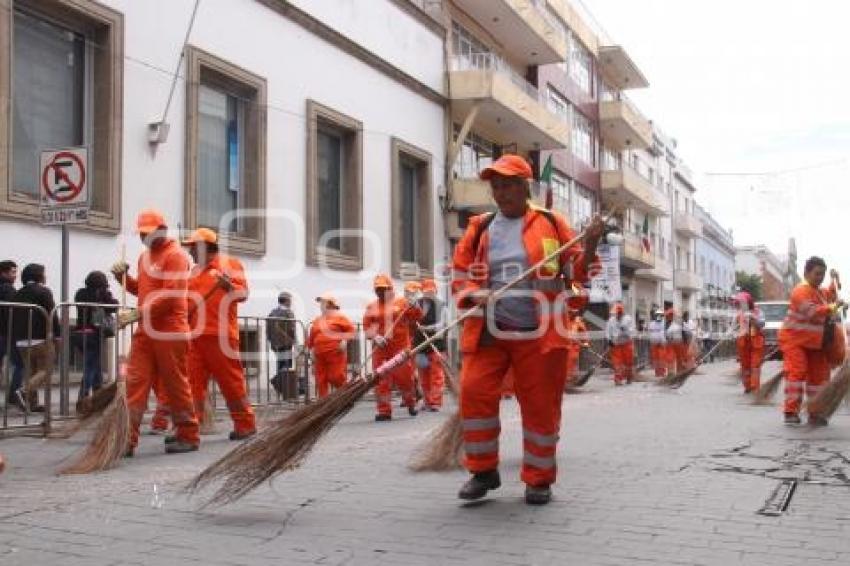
{"x": 764, "y": 394}
{"x": 443, "y": 449}
{"x": 285, "y": 446}
{"x": 111, "y": 438}
{"x": 677, "y": 380}
{"x": 582, "y": 381}
{"x": 829, "y": 399}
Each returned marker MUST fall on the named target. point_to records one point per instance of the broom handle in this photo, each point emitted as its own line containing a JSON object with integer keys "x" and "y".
{"x": 388, "y": 333}
{"x": 443, "y": 362}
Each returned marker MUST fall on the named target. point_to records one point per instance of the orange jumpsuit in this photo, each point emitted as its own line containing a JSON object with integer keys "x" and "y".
{"x": 214, "y": 349}
{"x": 619, "y": 334}
{"x": 750, "y": 345}
{"x": 538, "y": 359}
{"x": 393, "y": 321}
{"x": 658, "y": 347}
{"x": 327, "y": 332}
{"x": 432, "y": 376}
{"x": 578, "y": 339}
{"x": 801, "y": 339}
{"x": 161, "y": 341}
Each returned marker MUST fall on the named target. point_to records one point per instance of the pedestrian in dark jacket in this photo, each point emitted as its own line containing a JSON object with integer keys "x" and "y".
{"x": 93, "y": 326}
{"x": 8, "y": 276}
{"x": 30, "y": 329}
{"x": 280, "y": 332}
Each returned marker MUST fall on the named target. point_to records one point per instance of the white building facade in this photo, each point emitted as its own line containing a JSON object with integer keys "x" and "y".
{"x": 293, "y": 126}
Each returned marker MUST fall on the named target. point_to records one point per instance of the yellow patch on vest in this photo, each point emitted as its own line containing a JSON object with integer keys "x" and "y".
{"x": 550, "y": 246}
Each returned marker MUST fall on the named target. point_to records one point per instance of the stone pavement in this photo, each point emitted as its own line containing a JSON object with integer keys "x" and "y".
{"x": 648, "y": 475}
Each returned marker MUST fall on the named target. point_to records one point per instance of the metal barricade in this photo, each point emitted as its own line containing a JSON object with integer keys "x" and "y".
{"x": 26, "y": 359}
{"x": 88, "y": 350}
{"x": 274, "y": 377}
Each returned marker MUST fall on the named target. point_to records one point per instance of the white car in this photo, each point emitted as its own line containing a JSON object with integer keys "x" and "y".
{"x": 774, "y": 313}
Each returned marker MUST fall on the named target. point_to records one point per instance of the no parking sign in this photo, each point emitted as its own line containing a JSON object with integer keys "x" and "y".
{"x": 63, "y": 186}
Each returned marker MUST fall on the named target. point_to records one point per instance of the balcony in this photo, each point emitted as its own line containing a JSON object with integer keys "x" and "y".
{"x": 661, "y": 271}
{"x": 619, "y": 69}
{"x": 688, "y": 225}
{"x": 622, "y": 126}
{"x": 523, "y": 27}
{"x": 688, "y": 281}
{"x": 634, "y": 254}
{"x": 510, "y": 109}
{"x": 630, "y": 189}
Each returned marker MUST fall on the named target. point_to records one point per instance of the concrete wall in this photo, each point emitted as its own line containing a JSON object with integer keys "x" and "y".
{"x": 297, "y": 66}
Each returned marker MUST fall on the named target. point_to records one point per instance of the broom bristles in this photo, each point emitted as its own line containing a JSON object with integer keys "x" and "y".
{"x": 109, "y": 441}
{"x": 829, "y": 399}
{"x": 443, "y": 449}
{"x": 677, "y": 380}
{"x": 768, "y": 389}
{"x": 278, "y": 448}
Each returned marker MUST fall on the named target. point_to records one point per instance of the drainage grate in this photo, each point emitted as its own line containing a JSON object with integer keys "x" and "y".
{"x": 778, "y": 502}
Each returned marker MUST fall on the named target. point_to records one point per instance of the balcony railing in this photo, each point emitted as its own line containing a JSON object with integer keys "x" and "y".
{"x": 493, "y": 63}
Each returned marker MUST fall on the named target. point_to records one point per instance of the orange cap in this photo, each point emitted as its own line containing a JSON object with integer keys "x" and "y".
{"x": 508, "y": 165}
{"x": 204, "y": 235}
{"x": 382, "y": 282}
{"x": 412, "y": 287}
{"x": 149, "y": 220}
{"x": 619, "y": 308}
{"x": 669, "y": 313}
{"x": 429, "y": 286}
{"x": 328, "y": 298}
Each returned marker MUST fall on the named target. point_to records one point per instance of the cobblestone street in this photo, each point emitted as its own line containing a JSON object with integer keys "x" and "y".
{"x": 647, "y": 475}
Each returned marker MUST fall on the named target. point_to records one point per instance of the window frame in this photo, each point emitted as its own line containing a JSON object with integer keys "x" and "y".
{"x": 401, "y": 151}
{"x": 106, "y": 25}
{"x": 241, "y": 83}
{"x": 353, "y": 184}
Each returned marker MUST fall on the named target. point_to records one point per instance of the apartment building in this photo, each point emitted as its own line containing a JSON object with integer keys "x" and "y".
{"x": 687, "y": 231}
{"x": 293, "y": 124}
{"x": 715, "y": 253}
{"x": 760, "y": 260}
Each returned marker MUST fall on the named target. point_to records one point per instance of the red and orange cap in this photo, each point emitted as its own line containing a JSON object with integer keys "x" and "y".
{"x": 509, "y": 165}
{"x": 204, "y": 235}
{"x": 149, "y": 220}
{"x": 429, "y": 286}
{"x": 412, "y": 287}
{"x": 619, "y": 308}
{"x": 382, "y": 281}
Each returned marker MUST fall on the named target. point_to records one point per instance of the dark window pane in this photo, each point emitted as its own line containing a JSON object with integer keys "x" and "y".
{"x": 49, "y": 95}
{"x": 409, "y": 221}
{"x": 329, "y": 177}
{"x": 219, "y": 159}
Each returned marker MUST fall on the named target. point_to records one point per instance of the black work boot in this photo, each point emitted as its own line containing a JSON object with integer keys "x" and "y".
{"x": 479, "y": 484}
{"x": 792, "y": 419}
{"x": 171, "y": 439}
{"x": 538, "y": 494}
{"x": 241, "y": 435}
{"x": 180, "y": 447}
{"x": 817, "y": 421}
{"x": 411, "y": 410}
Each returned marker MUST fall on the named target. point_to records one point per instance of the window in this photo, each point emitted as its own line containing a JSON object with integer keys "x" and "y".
{"x": 581, "y": 66}
{"x": 559, "y": 105}
{"x": 225, "y": 157}
{"x": 469, "y": 51}
{"x": 412, "y": 206}
{"x": 611, "y": 159}
{"x": 476, "y": 154}
{"x": 583, "y": 141}
{"x": 560, "y": 192}
{"x": 582, "y": 205}
{"x": 62, "y": 73}
{"x": 334, "y": 188}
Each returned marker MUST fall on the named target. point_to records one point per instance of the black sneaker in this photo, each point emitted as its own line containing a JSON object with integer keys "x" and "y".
{"x": 817, "y": 421}
{"x": 180, "y": 447}
{"x": 241, "y": 435}
{"x": 792, "y": 419}
{"x": 479, "y": 484}
{"x": 170, "y": 439}
{"x": 129, "y": 453}
{"x": 383, "y": 418}
{"x": 538, "y": 495}
{"x": 412, "y": 411}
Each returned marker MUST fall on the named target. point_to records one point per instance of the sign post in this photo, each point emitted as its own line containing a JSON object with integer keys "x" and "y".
{"x": 606, "y": 286}
{"x": 64, "y": 199}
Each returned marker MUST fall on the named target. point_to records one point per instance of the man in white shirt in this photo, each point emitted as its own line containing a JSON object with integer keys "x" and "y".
{"x": 658, "y": 344}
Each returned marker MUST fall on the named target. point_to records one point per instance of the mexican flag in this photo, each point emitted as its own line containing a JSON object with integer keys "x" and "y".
{"x": 644, "y": 240}
{"x": 546, "y": 177}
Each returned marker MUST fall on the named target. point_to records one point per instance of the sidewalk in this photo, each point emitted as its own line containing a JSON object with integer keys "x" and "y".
{"x": 648, "y": 475}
